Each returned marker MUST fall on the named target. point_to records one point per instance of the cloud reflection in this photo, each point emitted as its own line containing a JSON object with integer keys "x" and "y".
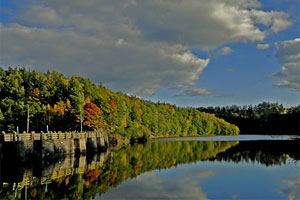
{"x": 201, "y": 174}
{"x": 293, "y": 188}
{"x": 152, "y": 186}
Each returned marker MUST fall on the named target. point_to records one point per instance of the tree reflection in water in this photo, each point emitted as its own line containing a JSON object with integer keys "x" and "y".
{"x": 86, "y": 176}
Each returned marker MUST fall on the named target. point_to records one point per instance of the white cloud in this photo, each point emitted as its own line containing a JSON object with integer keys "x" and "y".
{"x": 37, "y": 15}
{"x": 224, "y": 51}
{"x": 262, "y": 46}
{"x": 276, "y": 19}
{"x": 135, "y": 46}
{"x": 205, "y": 24}
{"x": 288, "y": 54}
{"x": 139, "y": 68}
{"x": 196, "y": 92}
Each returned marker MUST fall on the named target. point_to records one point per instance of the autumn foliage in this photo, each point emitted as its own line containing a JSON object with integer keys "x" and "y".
{"x": 63, "y": 103}
{"x": 92, "y": 116}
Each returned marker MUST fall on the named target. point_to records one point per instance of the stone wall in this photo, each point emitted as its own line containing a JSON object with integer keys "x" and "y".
{"x": 52, "y": 144}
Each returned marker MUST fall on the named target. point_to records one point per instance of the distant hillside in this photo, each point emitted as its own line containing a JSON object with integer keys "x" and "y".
{"x": 61, "y": 103}
{"x": 265, "y": 118}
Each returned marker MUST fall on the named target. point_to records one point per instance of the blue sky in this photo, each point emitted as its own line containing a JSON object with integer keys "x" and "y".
{"x": 188, "y": 53}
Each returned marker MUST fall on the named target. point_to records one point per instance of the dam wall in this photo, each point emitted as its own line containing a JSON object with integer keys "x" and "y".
{"x": 52, "y": 144}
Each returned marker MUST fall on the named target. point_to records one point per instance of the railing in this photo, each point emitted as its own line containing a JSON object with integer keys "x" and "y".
{"x": 15, "y": 137}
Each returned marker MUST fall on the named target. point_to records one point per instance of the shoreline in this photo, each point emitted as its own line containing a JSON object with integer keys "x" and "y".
{"x": 227, "y": 138}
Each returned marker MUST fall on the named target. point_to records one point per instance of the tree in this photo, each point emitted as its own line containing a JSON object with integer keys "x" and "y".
{"x": 93, "y": 116}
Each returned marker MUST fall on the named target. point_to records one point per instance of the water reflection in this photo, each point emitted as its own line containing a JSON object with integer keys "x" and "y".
{"x": 292, "y": 188}
{"x": 55, "y": 180}
{"x": 266, "y": 152}
{"x": 152, "y": 186}
{"x": 90, "y": 177}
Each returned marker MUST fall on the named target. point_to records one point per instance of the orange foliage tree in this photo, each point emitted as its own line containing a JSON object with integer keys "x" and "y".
{"x": 92, "y": 116}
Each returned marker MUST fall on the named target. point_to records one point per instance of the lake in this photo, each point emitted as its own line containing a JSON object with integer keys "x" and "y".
{"x": 233, "y": 167}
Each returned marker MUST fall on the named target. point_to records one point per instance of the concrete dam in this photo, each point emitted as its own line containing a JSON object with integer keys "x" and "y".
{"x": 52, "y": 144}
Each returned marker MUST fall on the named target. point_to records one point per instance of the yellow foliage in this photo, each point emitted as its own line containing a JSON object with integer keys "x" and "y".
{"x": 68, "y": 105}
{"x": 124, "y": 121}
{"x": 88, "y": 100}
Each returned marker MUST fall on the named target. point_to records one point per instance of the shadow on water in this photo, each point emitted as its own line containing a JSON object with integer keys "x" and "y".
{"x": 87, "y": 175}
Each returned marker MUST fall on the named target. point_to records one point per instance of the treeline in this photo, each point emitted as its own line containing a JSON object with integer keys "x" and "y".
{"x": 62, "y": 103}
{"x": 265, "y": 118}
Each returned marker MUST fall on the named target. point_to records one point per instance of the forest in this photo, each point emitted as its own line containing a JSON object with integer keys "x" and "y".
{"x": 64, "y": 103}
{"x": 265, "y": 118}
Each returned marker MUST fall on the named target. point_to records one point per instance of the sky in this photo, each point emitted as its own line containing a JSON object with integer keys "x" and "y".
{"x": 184, "y": 52}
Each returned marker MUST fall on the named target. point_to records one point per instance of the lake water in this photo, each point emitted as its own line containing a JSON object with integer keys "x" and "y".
{"x": 244, "y": 167}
